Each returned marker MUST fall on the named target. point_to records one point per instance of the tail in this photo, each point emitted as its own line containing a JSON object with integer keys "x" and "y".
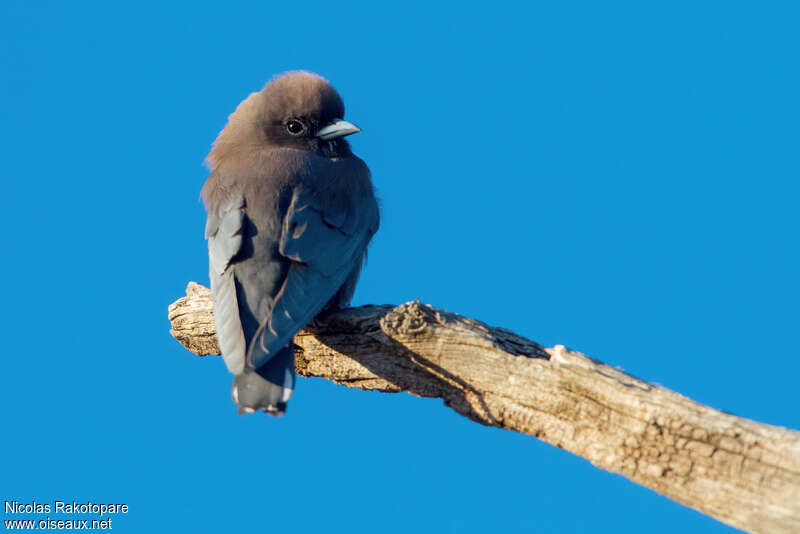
{"x": 267, "y": 388}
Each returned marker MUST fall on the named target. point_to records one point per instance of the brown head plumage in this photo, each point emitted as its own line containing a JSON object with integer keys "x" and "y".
{"x": 288, "y": 112}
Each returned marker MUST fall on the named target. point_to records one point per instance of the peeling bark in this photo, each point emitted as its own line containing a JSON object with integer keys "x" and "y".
{"x": 741, "y": 472}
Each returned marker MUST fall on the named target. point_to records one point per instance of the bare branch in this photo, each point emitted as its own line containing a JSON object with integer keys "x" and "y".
{"x": 741, "y": 472}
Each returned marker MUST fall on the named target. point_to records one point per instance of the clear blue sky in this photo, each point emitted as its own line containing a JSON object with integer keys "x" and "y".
{"x": 620, "y": 179}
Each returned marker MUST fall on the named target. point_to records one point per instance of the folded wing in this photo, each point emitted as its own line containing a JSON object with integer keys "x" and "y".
{"x": 224, "y": 235}
{"x": 324, "y": 246}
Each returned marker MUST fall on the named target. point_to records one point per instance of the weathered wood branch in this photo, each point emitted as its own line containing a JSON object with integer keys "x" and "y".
{"x": 741, "y": 472}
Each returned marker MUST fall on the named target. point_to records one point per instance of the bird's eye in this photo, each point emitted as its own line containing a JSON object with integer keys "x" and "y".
{"x": 295, "y": 127}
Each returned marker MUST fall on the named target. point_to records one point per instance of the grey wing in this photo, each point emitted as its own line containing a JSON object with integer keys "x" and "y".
{"x": 325, "y": 247}
{"x": 224, "y": 234}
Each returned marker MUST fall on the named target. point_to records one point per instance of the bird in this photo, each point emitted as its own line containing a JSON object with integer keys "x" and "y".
{"x": 290, "y": 214}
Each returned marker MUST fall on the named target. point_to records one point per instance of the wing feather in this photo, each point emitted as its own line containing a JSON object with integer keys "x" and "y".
{"x": 324, "y": 246}
{"x": 224, "y": 234}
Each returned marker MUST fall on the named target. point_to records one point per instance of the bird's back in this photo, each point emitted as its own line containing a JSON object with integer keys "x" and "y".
{"x": 267, "y": 183}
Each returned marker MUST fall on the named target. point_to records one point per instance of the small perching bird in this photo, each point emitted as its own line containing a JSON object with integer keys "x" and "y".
{"x": 291, "y": 211}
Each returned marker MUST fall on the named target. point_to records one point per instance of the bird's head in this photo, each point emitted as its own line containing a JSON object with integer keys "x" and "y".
{"x": 298, "y": 110}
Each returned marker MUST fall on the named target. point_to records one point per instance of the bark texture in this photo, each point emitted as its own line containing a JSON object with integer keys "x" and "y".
{"x": 741, "y": 472}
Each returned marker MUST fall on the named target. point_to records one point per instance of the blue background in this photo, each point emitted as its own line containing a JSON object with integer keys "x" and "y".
{"x": 620, "y": 179}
